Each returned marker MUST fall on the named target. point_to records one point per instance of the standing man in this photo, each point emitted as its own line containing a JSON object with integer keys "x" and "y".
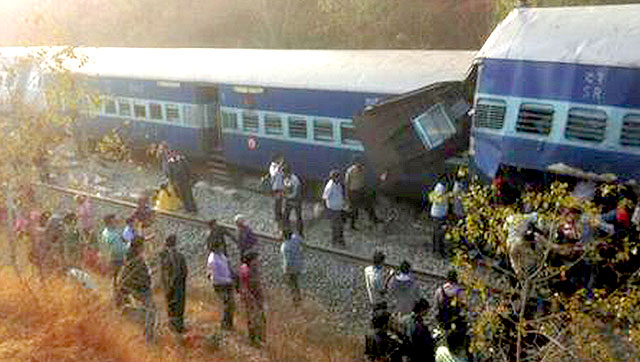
{"x": 247, "y": 241}
{"x": 219, "y": 272}
{"x": 450, "y": 299}
{"x": 292, "y": 263}
{"x": 129, "y": 232}
{"x": 418, "y": 344}
{"x": 174, "y": 278}
{"x": 292, "y": 199}
{"x": 112, "y": 241}
{"x": 217, "y": 235}
{"x": 135, "y": 280}
{"x": 357, "y": 193}
{"x": 376, "y": 277}
{"x": 334, "y": 202}
{"x": 253, "y": 298}
{"x": 180, "y": 173}
{"x": 85, "y": 218}
{"x": 276, "y": 177}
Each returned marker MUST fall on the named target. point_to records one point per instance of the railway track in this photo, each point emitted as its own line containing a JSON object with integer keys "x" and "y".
{"x": 263, "y": 237}
{"x": 333, "y": 277}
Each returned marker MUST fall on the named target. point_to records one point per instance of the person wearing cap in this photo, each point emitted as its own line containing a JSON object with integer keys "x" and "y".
{"x": 333, "y": 197}
{"x": 113, "y": 245}
{"x": 246, "y": 240}
{"x": 292, "y": 200}
{"x": 216, "y": 236}
{"x": 357, "y": 193}
{"x": 174, "y": 278}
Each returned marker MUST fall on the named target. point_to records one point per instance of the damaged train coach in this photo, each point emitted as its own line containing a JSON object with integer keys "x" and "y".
{"x": 558, "y": 92}
{"x": 414, "y": 139}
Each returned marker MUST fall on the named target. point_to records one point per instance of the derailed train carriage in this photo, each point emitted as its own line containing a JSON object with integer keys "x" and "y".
{"x": 558, "y": 91}
{"x": 241, "y": 106}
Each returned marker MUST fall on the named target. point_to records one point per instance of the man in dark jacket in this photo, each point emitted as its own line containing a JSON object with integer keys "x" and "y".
{"x": 174, "y": 276}
{"x": 382, "y": 345}
{"x": 180, "y": 175}
{"x": 217, "y": 236}
{"x": 247, "y": 241}
{"x": 135, "y": 280}
{"x": 418, "y": 343}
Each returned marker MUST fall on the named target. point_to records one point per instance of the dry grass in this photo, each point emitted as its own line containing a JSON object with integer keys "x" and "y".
{"x": 58, "y": 321}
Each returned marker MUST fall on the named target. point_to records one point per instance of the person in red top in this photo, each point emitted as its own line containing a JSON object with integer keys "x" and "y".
{"x": 253, "y": 298}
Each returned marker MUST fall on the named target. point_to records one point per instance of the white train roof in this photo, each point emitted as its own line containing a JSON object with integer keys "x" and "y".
{"x": 595, "y": 35}
{"x": 375, "y": 71}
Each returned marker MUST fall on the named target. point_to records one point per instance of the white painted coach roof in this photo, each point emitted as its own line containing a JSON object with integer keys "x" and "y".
{"x": 597, "y": 35}
{"x": 376, "y": 71}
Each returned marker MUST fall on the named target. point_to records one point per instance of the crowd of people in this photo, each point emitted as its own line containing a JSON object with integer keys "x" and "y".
{"x": 342, "y": 197}
{"x": 75, "y": 245}
{"x": 400, "y": 316}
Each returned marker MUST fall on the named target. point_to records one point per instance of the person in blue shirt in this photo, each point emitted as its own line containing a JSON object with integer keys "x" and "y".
{"x": 112, "y": 241}
{"x": 292, "y": 263}
{"x": 129, "y": 232}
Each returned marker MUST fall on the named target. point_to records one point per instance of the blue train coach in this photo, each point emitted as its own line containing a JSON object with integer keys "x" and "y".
{"x": 244, "y": 105}
{"x": 558, "y": 90}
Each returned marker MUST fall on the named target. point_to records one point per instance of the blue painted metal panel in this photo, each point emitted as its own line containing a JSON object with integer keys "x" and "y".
{"x": 302, "y": 101}
{"x": 149, "y": 89}
{"x": 588, "y": 84}
{"x": 491, "y": 151}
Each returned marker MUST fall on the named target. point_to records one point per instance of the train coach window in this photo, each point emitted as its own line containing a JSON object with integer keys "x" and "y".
{"x": 322, "y": 130}
{"x": 155, "y": 111}
{"x": 109, "y": 106}
{"x": 140, "y": 110}
{"x": 489, "y": 113}
{"x": 585, "y": 124}
{"x": 250, "y": 121}
{"x": 272, "y": 124}
{"x": 347, "y": 134}
{"x": 124, "y": 108}
{"x": 630, "y": 135}
{"x": 229, "y": 120}
{"x": 434, "y": 126}
{"x": 297, "y": 127}
{"x": 173, "y": 112}
{"x": 535, "y": 118}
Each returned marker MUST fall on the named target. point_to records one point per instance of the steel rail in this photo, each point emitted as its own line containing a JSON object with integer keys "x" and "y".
{"x": 356, "y": 259}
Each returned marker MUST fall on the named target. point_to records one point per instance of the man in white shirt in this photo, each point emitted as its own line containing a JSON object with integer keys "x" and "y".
{"x": 292, "y": 200}
{"x": 276, "y": 177}
{"x": 333, "y": 198}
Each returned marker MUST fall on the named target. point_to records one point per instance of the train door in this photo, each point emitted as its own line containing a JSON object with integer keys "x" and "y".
{"x": 211, "y": 130}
